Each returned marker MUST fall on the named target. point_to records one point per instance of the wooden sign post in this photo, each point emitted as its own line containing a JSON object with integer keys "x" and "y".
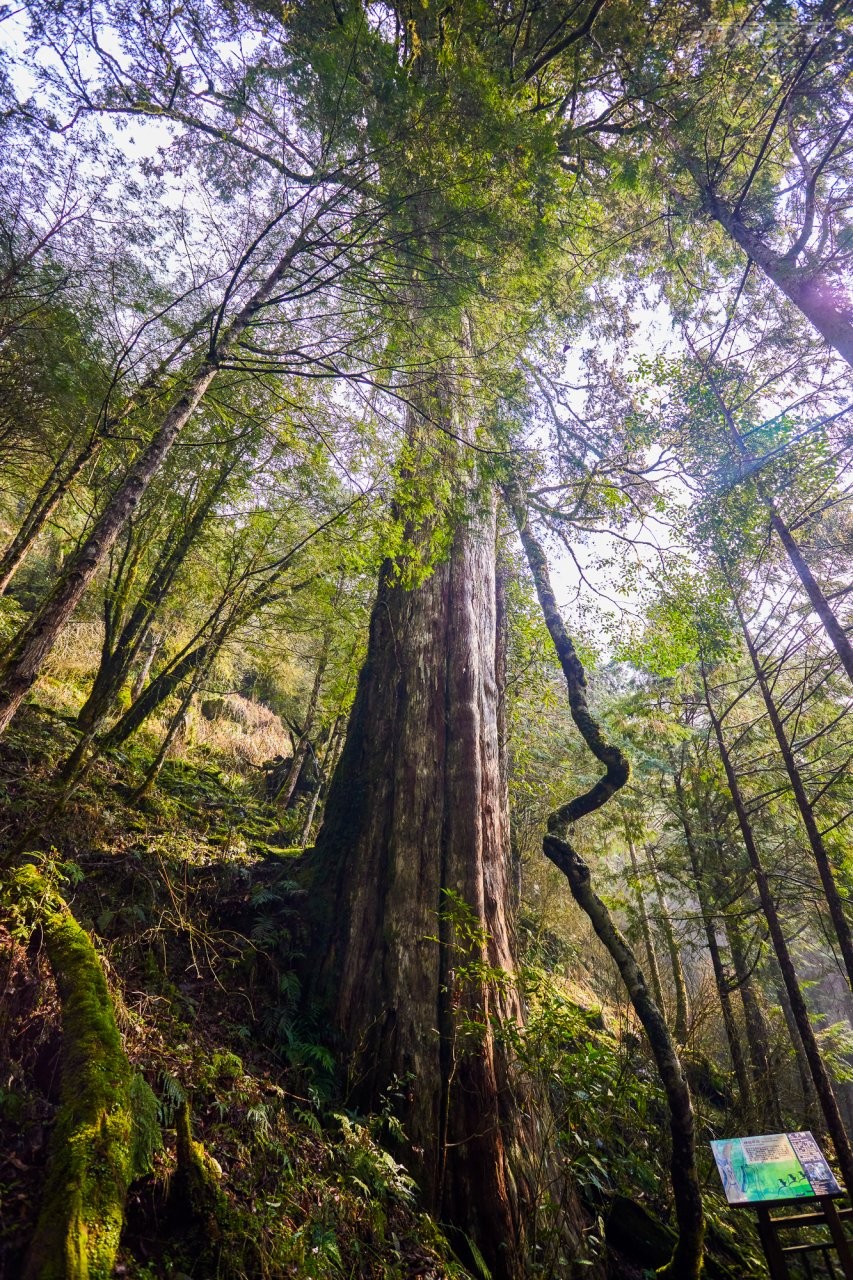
{"x": 780, "y": 1169}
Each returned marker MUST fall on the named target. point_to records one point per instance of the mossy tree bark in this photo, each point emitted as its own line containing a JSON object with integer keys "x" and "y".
{"x": 94, "y": 1149}
{"x": 413, "y": 953}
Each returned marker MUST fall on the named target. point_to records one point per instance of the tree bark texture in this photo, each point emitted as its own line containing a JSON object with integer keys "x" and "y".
{"x": 96, "y": 1147}
{"x": 411, "y": 885}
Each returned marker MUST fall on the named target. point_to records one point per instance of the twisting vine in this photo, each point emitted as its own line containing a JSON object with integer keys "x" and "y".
{"x": 686, "y": 1260}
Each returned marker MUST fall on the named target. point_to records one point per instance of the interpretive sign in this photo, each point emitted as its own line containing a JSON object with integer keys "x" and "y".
{"x": 773, "y": 1168}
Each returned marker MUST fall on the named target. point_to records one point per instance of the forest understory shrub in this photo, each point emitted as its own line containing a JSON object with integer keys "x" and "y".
{"x": 197, "y": 937}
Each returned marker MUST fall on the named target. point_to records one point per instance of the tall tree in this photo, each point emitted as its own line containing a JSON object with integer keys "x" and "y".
{"x": 412, "y": 945}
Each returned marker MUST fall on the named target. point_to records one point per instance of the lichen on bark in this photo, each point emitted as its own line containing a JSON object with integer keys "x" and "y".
{"x": 102, "y": 1135}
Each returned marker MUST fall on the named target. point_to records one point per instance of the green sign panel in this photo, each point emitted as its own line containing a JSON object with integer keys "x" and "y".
{"x": 772, "y": 1168}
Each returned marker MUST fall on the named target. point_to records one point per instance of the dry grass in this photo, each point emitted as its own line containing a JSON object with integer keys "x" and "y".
{"x": 243, "y": 731}
{"x": 246, "y": 731}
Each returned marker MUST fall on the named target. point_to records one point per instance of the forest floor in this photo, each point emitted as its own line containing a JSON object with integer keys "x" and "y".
{"x": 193, "y": 906}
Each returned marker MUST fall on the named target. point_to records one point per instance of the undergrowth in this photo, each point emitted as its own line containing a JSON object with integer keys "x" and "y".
{"x": 193, "y": 903}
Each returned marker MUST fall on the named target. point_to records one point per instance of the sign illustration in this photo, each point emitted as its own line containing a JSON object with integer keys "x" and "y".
{"x": 774, "y": 1167}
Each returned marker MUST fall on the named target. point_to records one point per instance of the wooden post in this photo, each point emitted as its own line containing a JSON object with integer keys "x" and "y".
{"x": 776, "y": 1263}
{"x": 839, "y": 1239}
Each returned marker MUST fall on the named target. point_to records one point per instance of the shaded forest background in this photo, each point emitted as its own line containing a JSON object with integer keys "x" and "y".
{"x": 425, "y": 530}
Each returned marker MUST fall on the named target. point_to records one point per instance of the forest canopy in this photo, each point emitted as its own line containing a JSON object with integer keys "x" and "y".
{"x": 425, "y": 655}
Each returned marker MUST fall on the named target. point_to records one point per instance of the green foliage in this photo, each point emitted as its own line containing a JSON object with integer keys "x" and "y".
{"x": 608, "y": 1108}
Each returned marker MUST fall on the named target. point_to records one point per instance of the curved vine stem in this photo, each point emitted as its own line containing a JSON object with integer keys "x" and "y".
{"x": 686, "y": 1261}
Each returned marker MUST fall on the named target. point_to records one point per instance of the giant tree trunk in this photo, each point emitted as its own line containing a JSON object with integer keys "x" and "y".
{"x": 411, "y": 874}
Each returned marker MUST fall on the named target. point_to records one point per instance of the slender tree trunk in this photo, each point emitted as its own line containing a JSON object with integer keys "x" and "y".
{"x": 330, "y": 760}
{"x": 723, "y": 990}
{"x": 646, "y": 928}
{"x": 814, "y": 297}
{"x": 410, "y": 876}
{"x": 35, "y": 641}
{"x": 301, "y": 749}
{"x": 817, "y": 599}
{"x": 682, "y": 1006}
{"x": 152, "y": 644}
{"x": 818, "y": 848}
{"x": 811, "y": 1117}
{"x": 42, "y": 508}
{"x": 169, "y": 737}
{"x": 118, "y": 658}
{"x": 757, "y": 1030}
{"x": 57, "y": 484}
{"x": 686, "y": 1261}
{"x": 819, "y": 1073}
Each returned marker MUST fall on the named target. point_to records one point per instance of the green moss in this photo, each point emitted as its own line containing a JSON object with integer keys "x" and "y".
{"x": 95, "y": 1147}
{"x": 195, "y": 1187}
